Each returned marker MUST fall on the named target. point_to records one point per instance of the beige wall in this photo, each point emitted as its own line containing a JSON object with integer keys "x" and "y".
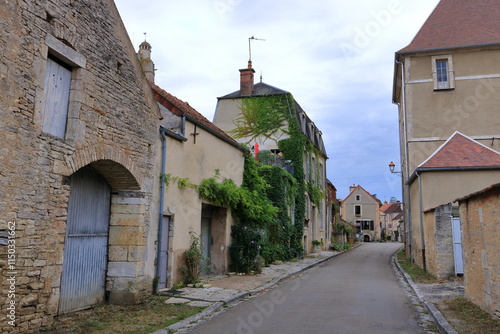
{"x": 197, "y": 161}
{"x": 433, "y": 116}
{"x": 370, "y": 209}
{"x": 481, "y": 244}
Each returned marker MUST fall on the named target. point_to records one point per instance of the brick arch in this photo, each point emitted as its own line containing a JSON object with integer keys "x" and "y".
{"x": 114, "y": 165}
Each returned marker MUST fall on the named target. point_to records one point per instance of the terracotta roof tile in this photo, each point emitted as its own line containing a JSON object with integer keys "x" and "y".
{"x": 390, "y": 208}
{"x": 180, "y": 107}
{"x": 459, "y": 23}
{"x": 462, "y": 151}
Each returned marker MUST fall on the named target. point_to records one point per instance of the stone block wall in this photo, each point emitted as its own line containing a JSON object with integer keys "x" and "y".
{"x": 112, "y": 126}
{"x": 480, "y": 220}
{"x": 439, "y": 242}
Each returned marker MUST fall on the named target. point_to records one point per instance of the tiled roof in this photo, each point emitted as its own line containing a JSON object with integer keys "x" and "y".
{"x": 459, "y": 23}
{"x": 460, "y": 151}
{"x": 389, "y": 208}
{"x": 180, "y": 107}
{"x": 258, "y": 90}
{"x": 363, "y": 189}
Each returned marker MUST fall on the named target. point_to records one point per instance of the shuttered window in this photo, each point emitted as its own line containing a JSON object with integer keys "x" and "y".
{"x": 56, "y": 97}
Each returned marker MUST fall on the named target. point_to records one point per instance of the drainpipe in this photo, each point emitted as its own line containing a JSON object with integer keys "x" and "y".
{"x": 183, "y": 124}
{"x": 422, "y": 236}
{"x": 162, "y": 197}
{"x": 404, "y": 184}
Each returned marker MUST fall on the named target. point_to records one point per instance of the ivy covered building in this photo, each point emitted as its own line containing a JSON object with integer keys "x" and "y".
{"x": 280, "y": 133}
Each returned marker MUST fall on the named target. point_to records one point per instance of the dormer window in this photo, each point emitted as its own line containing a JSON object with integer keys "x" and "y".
{"x": 442, "y": 69}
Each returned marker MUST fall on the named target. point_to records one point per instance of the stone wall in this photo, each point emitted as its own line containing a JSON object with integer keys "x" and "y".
{"x": 112, "y": 126}
{"x": 439, "y": 242}
{"x": 480, "y": 219}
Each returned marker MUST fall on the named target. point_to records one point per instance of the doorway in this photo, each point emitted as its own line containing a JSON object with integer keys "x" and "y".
{"x": 83, "y": 277}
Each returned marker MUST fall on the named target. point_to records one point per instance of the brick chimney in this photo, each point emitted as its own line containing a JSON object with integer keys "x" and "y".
{"x": 351, "y": 188}
{"x": 246, "y": 80}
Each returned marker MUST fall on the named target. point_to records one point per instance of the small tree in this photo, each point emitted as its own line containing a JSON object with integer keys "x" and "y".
{"x": 193, "y": 258}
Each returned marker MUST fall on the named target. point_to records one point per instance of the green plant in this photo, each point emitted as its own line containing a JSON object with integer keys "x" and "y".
{"x": 193, "y": 258}
{"x": 317, "y": 243}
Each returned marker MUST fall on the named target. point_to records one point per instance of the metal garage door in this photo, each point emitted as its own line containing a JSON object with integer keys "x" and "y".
{"x": 85, "y": 252}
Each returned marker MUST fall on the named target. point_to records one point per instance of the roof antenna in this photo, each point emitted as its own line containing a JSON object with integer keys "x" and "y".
{"x": 145, "y": 36}
{"x": 250, "y": 47}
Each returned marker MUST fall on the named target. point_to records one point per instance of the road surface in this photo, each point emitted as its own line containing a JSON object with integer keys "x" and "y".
{"x": 354, "y": 293}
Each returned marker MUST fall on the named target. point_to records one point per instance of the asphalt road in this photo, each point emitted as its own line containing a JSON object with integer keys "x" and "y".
{"x": 356, "y": 292}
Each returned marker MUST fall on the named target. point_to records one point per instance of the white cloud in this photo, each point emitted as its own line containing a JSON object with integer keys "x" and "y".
{"x": 335, "y": 57}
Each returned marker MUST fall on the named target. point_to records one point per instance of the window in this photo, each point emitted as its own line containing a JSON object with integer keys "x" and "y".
{"x": 56, "y": 97}
{"x": 365, "y": 225}
{"x": 55, "y": 110}
{"x": 358, "y": 197}
{"x": 442, "y": 68}
{"x": 357, "y": 210}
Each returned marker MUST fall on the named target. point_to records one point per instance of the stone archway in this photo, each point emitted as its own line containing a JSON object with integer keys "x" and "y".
{"x": 125, "y": 242}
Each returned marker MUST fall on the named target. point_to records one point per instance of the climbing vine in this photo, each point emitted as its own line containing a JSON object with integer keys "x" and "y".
{"x": 261, "y": 116}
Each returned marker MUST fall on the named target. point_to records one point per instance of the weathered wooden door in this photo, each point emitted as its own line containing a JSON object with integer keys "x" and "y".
{"x": 86, "y": 245}
{"x": 163, "y": 260}
{"x": 457, "y": 246}
{"x": 206, "y": 243}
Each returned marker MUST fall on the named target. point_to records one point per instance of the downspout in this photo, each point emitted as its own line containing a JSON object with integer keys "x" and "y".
{"x": 162, "y": 197}
{"x": 422, "y": 236}
{"x": 183, "y": 125}
{"x": 404, "y": 184}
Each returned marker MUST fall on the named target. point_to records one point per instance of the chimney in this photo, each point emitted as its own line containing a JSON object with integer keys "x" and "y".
{"x": 147, "y": 64}
{"x": 351, "y": 188}
{"x": 246, "y": 80}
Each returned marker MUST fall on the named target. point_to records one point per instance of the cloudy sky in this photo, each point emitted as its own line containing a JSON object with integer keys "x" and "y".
{"x": 336, "y": 58}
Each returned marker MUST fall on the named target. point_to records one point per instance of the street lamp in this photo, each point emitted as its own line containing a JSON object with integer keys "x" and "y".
{"x": 392, "y": 165}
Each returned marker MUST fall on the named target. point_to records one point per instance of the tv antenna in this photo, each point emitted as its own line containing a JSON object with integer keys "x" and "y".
{"x": 250, "y": 46}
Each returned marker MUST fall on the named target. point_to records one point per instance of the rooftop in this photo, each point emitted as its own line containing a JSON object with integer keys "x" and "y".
{"x": 459, "y": 23}
{"x": 460, "y": 151}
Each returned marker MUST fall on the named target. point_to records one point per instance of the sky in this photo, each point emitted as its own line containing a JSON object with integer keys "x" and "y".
{"x": 335, "y": 57}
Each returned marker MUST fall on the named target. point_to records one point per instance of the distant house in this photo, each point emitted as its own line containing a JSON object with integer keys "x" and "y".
{"x": 362, "y": 209}
{"x": 446, "y": 80}
{"x": 391, "y": 219}
{"x": 78, "y": 175}
{"x": 192, "y": 149}
{"x": 269, "y": 120}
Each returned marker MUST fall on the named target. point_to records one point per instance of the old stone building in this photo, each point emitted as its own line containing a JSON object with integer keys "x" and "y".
{"x": 78, "y": 179}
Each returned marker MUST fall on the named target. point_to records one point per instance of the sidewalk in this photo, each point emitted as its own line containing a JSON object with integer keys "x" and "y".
{"x": 430, "y": 294}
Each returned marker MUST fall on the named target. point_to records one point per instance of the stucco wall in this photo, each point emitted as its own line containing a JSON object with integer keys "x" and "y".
{"x": 433, "y": 116}
{"x": 197, "y": 161}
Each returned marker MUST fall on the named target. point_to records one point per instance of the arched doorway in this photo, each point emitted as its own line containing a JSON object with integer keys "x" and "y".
{"x": 83, "y": 277}
{"x": 366, "y": 238}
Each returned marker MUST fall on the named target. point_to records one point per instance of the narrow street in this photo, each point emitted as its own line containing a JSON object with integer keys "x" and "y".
{"x": 356, "y": 292}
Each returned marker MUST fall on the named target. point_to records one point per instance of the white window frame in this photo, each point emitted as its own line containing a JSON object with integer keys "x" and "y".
{"x": 443, "y": 85}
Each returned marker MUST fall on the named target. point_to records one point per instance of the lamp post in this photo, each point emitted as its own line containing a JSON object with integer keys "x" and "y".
{"x": 392, "y": 165}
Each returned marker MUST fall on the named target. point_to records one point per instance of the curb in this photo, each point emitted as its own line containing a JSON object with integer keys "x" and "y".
{"x": 219, "y": 305}
{"x": 442, "y": 324}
